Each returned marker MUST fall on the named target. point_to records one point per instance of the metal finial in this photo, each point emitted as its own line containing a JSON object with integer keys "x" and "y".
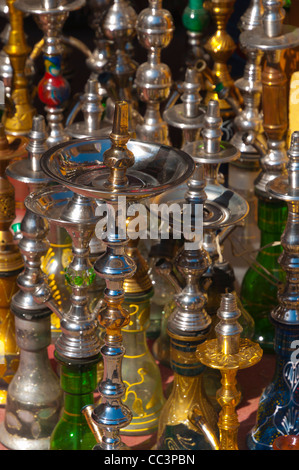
{"x": 119, "y": 158}
{"x": 212, "y": 130}
{"x": 228, "y": 330}
{"x": 273, "y": 17}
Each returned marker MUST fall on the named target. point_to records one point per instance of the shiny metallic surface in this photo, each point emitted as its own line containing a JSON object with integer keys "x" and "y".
{"x": 92, "y": 109}
{"x": 271, "y": 37}
{"x": 250, "y": 86}
{"x": 79, "y": 339}
{"x": 153, "y": 79}
{"x": 188, "y": 115}
{"x": 50, "y": 17}
{"x": 286, "y": 188}
{"x": 229, "y": 353}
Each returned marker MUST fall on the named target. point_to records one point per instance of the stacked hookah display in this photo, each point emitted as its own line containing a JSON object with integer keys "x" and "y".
{"x": 154, "y": 260}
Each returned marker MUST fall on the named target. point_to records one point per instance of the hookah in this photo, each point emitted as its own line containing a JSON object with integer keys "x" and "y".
{"x": 136, "y": 170}
{"x": 243, "y": 172}
{"x": 188, "y": 116}
{"x": 211, "y": 152}
{"x": 17, "y": 117}
{"x": 187, "y": 327}
{"x": 140, "y": 372}
{"x": 92, "y": 110}
{"x": 77, "y": 349}
{"x": 278, "y": 406}
{"x": 99, "y": 58}
{"x": 119, "y": 28}
{"x": 196, "y": 20}
{"x": 34, "y": 397}
{"x": 53, "y": 89}
{"x": 220, "y": 46}
{"x": 223, "y": 211}
{"x": 11, "y": 262}
{"x": 261, "y": 281}
{"x": 228, "y": 353}
{"x": 153, "y": 78}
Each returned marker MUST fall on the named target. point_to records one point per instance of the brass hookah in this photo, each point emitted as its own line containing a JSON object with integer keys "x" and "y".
{"x": 17, "y": 118}
{"x": 220, "y": 46}
{"x": 11, "y": 262}
{"x": 153, "y": 78}
{"x": 34, "y": 397}
{"x": 227, "y": 353}
{"x": 112, "y": 179}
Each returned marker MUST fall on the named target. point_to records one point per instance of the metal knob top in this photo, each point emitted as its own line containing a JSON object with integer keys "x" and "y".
{"x": 286, "y": 186}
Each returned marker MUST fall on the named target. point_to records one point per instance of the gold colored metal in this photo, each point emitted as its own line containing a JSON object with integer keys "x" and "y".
{"x": 221, "y": 46}
{"x": 141, "y": 375}
{"x": 17, "y": 118}
{"x": 229, "y": 353}
{"x": 11, "y": 263}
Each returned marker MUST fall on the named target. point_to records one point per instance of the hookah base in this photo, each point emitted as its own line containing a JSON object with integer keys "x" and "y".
{"x": 14, "y": 442}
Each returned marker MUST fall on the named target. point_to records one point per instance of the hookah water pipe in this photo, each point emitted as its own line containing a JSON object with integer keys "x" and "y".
{"x": 196, "y": 20}
{"x": 119, "y": 28}
{"x": 53, "y": 89}
{"x": 220, "y": 46}
{"x": 153, "y": 78}
{"x": 243, "y": 172}
{"x": 78, "y": 347}
{"x": 112, "y": 176}
{"x": 34, "y": 397}
{"x": 223, "y": 211}
{"x": 264, "y": 275}
{"x": 187, "y": 326}
{"x": 278, "y": 407}
{"x": 140, "y": 373}
{"x": 92, "y": 110}
{"x": 17, "y": 118}
{"x": 11, "y": 262}
{"x": 227, "y": 353}
{"x": 187, "y": 115}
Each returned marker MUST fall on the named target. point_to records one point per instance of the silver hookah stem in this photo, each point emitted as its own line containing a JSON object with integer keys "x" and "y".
{"x": 286, "y": 188}
{"x": 34, "y": 398}
{"x": 92, "y": 110}
{"x": 250, "y": 86}
{"x": 153, "y": 78}
{"x": 187, "y": 115}
{"x": 114, "y": 266}
{"x": 119, "y": 27}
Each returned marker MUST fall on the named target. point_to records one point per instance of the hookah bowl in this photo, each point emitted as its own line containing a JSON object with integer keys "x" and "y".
{"x": 11, "y": 262}
{"x": 277, "y": 413}
{"x": 104, "y": 170}
{"x": 227, "y": 353}
{"x": 53, "y": 89}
